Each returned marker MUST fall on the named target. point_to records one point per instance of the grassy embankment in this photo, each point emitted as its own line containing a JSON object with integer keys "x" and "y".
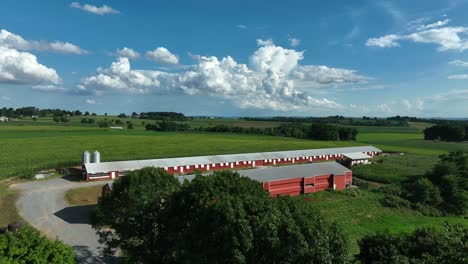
{"x": 8, "y": 198}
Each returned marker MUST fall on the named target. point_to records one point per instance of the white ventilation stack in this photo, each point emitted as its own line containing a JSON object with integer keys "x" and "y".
{"x": 96, "y": 157}
{"x": 86, "y": 157}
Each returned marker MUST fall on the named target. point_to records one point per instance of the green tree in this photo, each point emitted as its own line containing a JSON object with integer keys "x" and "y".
{"x": 422, "y": 191}
{"x": 424, "y": 245}
{"x": 133, "y": 210}
{"x": 28, "y": 246}
{"x": 221, "y": 218}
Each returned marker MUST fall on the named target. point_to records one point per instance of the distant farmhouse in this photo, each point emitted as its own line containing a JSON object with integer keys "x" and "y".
{"x": 282, "y": 172}
{"x": 3, "y": 119}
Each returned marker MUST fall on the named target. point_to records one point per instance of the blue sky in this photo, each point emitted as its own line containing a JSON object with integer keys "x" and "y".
{"x": 237, "y": 58}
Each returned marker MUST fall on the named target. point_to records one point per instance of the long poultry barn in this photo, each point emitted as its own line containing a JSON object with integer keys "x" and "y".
{"x": 93, "y": 169}
{"x": 297, "y": 179}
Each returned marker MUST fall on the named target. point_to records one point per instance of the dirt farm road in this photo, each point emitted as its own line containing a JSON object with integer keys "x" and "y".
{"x": 42, "y": 205}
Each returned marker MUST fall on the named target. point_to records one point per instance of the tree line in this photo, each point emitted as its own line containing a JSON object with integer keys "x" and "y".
{"x": 30, "y": 111}
{"x": 170, "y": 116}
{"x": 318, "y": 131}
{"x": 446, "y": 132}
{"x": 337, "y": 119}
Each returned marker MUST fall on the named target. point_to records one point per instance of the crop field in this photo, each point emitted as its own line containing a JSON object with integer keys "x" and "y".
{"x": 30, "y": 146}
{"x": 26, "y": 149}
{"x": 359, "y": 212}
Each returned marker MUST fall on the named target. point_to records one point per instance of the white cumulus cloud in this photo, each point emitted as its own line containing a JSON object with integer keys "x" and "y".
{"x": 128, "y": 53}
{"x": 23, "y": 68}
{"x": 162, "y": 55}
{"x": 268, "y": 82}
{"x": 10, "y": 40}
{"x": 103, "y": 10}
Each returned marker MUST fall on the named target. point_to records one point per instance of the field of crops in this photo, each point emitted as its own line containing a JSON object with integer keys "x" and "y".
{"x": 30, "y": 146}
{"x": 25, "y": 150}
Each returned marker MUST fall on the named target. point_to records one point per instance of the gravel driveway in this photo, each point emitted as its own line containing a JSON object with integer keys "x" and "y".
{"x": 43, "y": 205}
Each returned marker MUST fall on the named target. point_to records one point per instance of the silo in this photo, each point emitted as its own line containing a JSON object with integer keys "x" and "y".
{"x": 96, "y": 158}
{"x": 86, "y": 157}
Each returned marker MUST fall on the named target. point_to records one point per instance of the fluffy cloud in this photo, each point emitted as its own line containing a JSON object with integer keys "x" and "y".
{"x": 23, "y": 68}
{"x": 384, "y": 42}
{"x": 90, "y": 101}
{"x": 275, "y": 58}
{"x": 103, "y": 10}
{"x": 269, "y": 82}
{"x": 294, "y": 42}
{"x": 128, "y": 53}
{"x": 447, "y": 38}
{"x": 10, "y": 40}
{"x": 162, "y": 55}
{"x": 241, "y": 26}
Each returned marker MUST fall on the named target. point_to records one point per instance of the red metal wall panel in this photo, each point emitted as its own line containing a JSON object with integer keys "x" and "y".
{"x": 340, "y": 182}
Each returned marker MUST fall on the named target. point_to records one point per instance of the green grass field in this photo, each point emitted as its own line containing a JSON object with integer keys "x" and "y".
{"x": 359, "y": 213}
{"x": 395, "y": 168}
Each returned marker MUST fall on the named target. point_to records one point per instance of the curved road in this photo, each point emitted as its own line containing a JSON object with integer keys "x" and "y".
{"x": 42, "y": 204}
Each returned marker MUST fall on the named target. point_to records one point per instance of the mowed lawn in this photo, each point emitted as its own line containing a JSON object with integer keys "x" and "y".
{"x": 26, "y": 149}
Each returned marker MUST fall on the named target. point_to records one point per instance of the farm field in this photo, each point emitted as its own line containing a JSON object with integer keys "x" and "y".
{"x": 30, "y": 146}
{"x": 395, "y": 168}
{"x": 359, "y": 212}
{"x": 26, "y": 150}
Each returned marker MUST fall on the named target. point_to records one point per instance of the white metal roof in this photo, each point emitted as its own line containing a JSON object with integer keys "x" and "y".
{"x": 357, "y": 156}
{"x": 105, "y": 167}
{"x": 285, "y": 172}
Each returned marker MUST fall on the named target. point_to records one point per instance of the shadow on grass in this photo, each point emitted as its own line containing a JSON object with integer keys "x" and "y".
{"x": 76, "y": 214}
